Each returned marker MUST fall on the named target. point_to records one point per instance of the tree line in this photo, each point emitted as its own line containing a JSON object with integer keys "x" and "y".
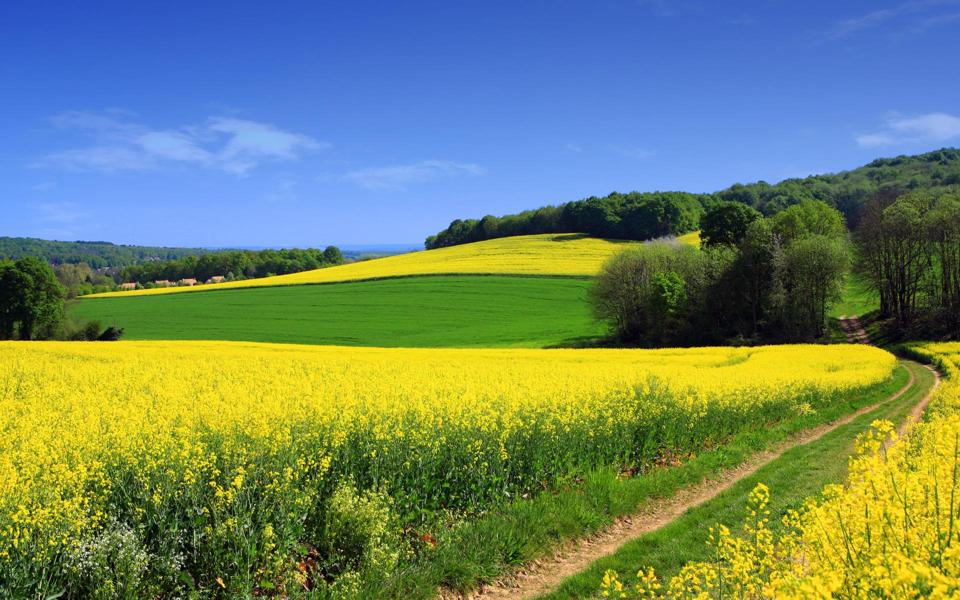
{"x": 92, "y": 267}
{"x": 909, "y": 251}
{"x": 632, "y": 216}
{"x": 636, "y": 215}
{"x": 237, "y": 264}
{"x": 99, "y": 256}
{"x": 756, "y": 279}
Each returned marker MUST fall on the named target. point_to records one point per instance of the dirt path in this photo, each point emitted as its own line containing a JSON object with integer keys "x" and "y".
{"x": 854, "y": 331}
{"x": 542, "y": 576}
{"x": 917, "y": 413}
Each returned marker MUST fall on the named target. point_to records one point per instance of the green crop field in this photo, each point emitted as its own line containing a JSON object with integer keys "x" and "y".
{"x": 467, "y": 311}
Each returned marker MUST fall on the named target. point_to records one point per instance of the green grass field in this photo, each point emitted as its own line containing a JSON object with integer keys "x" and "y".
{"x": 857, "y": 298}
{"x": 468, "y": 311}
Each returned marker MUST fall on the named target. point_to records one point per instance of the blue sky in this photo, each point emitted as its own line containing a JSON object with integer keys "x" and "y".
{"x": 308, "y": 123}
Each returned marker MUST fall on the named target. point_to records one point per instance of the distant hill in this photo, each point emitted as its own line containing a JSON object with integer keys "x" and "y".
{"x": 643, "y": 215}
{"x": 98, "y": 255}
{"x": 847, "y": 191}
{"x": 107, "y": 255}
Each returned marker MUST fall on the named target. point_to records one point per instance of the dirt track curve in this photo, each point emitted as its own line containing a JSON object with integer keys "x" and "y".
{"x": 542, "y": 576}
{"x": 854, "y": 331}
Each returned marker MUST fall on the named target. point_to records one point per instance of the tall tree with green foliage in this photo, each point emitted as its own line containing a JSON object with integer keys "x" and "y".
{"x": 31, "y": 299}
{"x": 942, "y": 225}
{"x": 810, "y": 217}
{"x": 726, "y": 223}
{"x": 332, "y": 255}
{"x": 808, "y": 276}
{"x": 909, "y": 250}
{"x": 896, "y": 253}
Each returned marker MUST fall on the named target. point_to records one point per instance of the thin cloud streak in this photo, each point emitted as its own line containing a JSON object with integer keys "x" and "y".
{"x": 920, "y": 14}
{"x": 927, "y": 128}
{"x": 233, "y": 145}
{"x": 399, "y": 177}
{"x": 60, "y": 212}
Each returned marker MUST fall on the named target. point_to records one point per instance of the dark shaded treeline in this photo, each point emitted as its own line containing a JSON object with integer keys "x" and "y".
{"x": 909, "y": 251}
{"x": 650, "y": 215}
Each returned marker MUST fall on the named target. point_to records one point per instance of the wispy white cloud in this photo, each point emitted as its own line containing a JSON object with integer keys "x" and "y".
{"x": 573, "y": 147}
{"x": 119, "y": 144}
{"x": 285, "y": 190}
{"x": 633, "y": 152}
{"x": 107, "y": 159}
{"x": 669, "y": 8}
{"x": 914, "y": 16}
{"x": 930, "y": 128}
{"x": 44, "y": 186}
{"x": 398, "y": 177}
{"x": 249, "y": 142}
{"x": 174, "y": 145}
{"x": 922, "y": 25}
{"x": 60, "y": 212}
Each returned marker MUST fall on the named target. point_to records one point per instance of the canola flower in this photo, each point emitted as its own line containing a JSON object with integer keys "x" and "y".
{"x": 892, "y": 530}
{"x": 547, "y": 254}
{"x": 155, "y": 468}
{"x": 692, "y": 238}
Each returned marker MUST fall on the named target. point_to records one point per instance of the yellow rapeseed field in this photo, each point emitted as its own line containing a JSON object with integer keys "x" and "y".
{"x": 214, "y": 465}
{"x": 692, "y": 238}
{"x": 892, "y": 530}
{"x": 548, "y": 254}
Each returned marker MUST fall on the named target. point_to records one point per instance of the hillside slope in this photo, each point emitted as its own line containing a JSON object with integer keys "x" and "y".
{"x": 571, "y": 255}
{"x": 640, "y": 215}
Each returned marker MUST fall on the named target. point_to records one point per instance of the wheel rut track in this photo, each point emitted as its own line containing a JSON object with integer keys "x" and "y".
{"x": 544, "y": 575}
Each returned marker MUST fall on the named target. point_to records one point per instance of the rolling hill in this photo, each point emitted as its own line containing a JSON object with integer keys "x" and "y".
{"x": 570, "y": 255}
{"x": 642, "y": 215}
{"x": 532, "y": 293}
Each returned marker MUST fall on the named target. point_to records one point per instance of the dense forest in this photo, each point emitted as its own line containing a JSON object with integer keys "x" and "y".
{"x": 98, "y": 255}
{"x": 633, "y": 216}
{"x": 650, "y": 215}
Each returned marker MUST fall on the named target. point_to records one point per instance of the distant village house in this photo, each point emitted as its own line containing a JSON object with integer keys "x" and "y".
{"x": 216, "y": 279}
{"x": 128, "y": 286}
{"x": 162, "y": 283}
{"x": 187, "y": 282}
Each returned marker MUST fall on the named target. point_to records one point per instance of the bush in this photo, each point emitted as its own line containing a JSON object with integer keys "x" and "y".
{"x": 646, "y": 293}
{"x": 110, "y": 334}
{"x": 361, "y": 543}
{"x": 109, "y": 565}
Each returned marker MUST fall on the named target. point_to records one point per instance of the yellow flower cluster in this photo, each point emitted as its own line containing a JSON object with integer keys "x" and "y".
{"x": 220, "y": 455}
{"x": 891, "y": 531}
{"x": 550, "y": 254}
